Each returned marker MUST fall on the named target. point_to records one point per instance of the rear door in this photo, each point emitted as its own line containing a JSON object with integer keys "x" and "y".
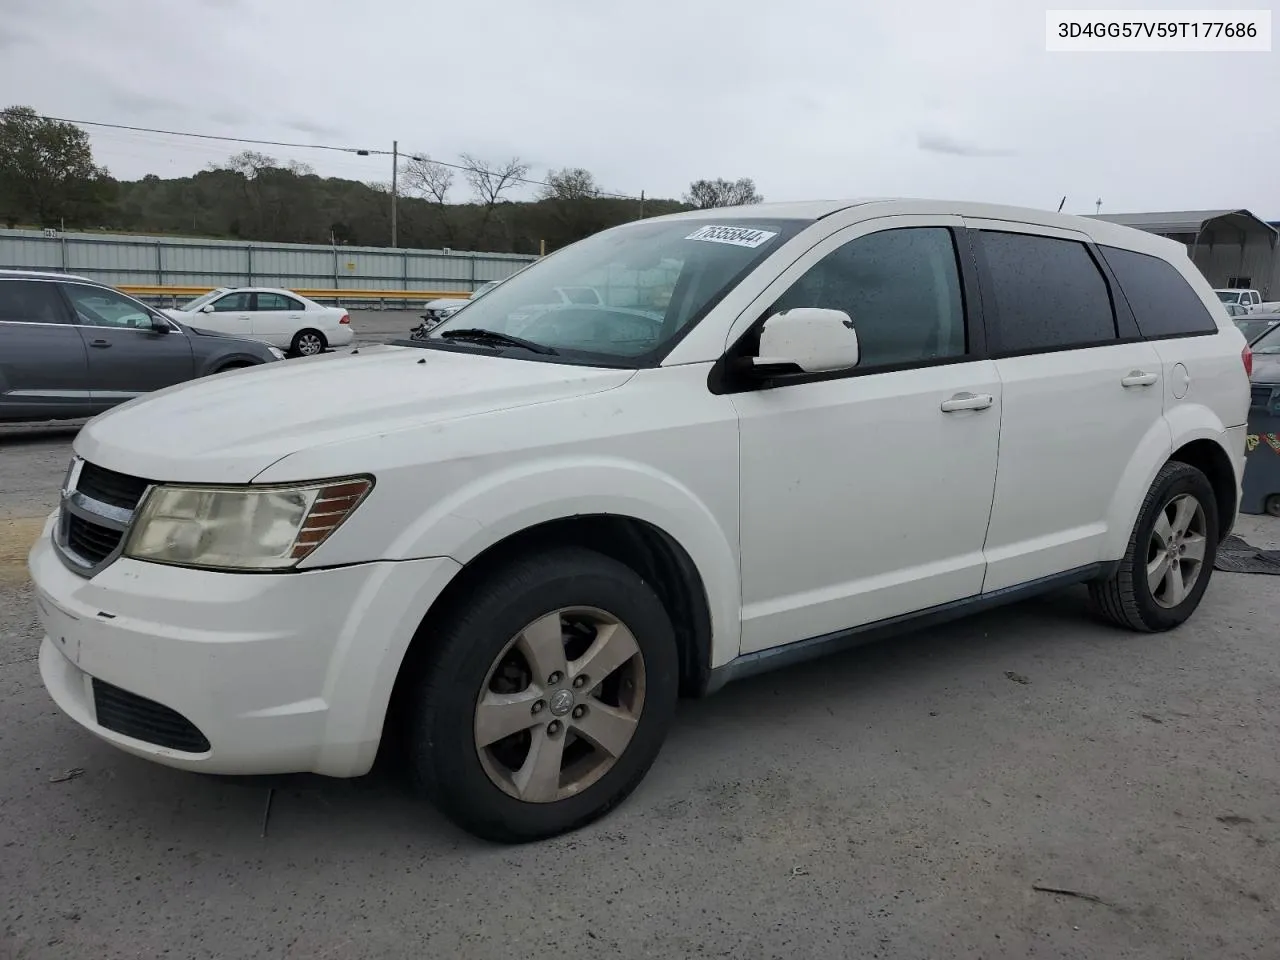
{"x": 1082, "y": 395}
{"x": 1201, "y": 367}
{"x": 127, "y": 356}
{"x": 276, "y": 318}
{"x": 43, "y": 366}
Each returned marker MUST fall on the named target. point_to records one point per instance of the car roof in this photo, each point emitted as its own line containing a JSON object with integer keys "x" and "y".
{"x": 44, "y": 275}
{"x": 1100, "y": 231}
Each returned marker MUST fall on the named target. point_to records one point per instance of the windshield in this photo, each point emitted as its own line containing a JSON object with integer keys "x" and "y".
{"x": 193, "y": 305}
{"x": 1228, "y": 296}
{"x": 1270, "y": 344}
{"x": 627, "y": 294}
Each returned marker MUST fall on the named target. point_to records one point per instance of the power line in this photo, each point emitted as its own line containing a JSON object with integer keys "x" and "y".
{"x": 358, "y": 151}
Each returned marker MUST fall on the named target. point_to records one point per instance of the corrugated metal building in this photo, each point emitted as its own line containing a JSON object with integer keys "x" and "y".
{"x": 178, "y": 262}
{"x": 1232, "y": 248}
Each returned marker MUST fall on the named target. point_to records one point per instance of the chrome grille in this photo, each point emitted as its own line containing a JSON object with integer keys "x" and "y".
{"x": 107, "y": 486}
{"x": 96, "y": 510}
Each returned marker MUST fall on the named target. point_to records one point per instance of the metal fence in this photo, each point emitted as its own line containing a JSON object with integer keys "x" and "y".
{"x": 123, "y": 260}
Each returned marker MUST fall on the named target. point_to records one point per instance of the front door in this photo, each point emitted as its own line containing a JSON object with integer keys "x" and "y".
{"x": 866, "y": 495}
{"x": 231, "y": 313}
{"x": 127, "y": 357}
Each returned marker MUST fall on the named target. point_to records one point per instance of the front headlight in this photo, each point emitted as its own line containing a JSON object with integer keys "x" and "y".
{"x": 276, "y": 352}
{"x": 241, "y": 528}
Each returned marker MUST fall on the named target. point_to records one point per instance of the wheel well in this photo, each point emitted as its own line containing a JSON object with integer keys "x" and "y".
{"x": 1210, "y": 459}
{"x": 644, "y": 548}
{"x": 235, "y": 365}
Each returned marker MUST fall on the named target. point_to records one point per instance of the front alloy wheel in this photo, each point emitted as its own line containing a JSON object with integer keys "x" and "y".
{"x": 561, "y": 705}
{"x": 539, "y": 700}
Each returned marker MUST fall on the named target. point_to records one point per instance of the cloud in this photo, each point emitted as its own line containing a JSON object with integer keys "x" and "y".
{"x": 230, "y": 117}
{"x": 945, "y": 143}
{"x": 310, "y": 128}
{"x": 13, "y": 38}
{"x": 131, "y": 101}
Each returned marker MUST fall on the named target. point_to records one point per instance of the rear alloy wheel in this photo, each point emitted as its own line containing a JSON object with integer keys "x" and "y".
{"x": 545, "y": 698}
{"x": 1166, "y": 568}
{"x": 307, "y": 343}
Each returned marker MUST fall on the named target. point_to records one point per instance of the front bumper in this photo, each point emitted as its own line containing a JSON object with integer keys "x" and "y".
{"x": 280, "y": 673}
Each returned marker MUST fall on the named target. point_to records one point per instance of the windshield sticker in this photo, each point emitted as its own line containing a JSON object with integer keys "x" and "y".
{"x": 738, "y": 236}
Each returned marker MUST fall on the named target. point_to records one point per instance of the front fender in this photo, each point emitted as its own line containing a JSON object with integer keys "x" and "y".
{"x": 468, "y": 521}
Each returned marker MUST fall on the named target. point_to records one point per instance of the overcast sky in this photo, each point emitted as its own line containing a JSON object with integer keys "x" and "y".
{"x": 813, "y": 99}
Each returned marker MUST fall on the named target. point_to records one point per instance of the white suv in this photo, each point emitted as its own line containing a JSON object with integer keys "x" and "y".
{"x": 516, "y": 551}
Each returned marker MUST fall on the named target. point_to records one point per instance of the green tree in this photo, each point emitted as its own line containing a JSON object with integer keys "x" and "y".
{"x": 47, "y": 173}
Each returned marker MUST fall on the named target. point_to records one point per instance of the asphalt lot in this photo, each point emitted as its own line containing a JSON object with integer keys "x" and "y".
{"x": 900, "y": 801}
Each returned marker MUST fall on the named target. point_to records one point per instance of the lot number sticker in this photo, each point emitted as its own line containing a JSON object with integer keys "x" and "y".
{"x": 737, "y": 236}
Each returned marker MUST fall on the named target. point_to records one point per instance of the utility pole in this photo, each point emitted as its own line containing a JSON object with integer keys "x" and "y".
{"x": 395, "y": 170}
{"x": 1097, "y": 207}
{"x": 641, "y": 204}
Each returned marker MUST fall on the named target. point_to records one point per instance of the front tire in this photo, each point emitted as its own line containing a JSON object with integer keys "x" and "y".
{"x": 1169, "y": 559}
{"x": 548, "y": 694}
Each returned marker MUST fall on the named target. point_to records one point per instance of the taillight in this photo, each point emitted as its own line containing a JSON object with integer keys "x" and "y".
{"x": 1246, "y": 356}
{"x": 346, "y": 318}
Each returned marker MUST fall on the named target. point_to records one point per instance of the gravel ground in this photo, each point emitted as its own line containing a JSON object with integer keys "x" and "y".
{"x": 904, "y": 800}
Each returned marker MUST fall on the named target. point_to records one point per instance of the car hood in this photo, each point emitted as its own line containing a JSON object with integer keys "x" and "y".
{"x": 230, "y": 427}
{"x": 444, "y": 302}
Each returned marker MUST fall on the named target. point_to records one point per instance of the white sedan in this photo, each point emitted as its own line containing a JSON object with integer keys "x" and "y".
{"x": 281, "y": 318}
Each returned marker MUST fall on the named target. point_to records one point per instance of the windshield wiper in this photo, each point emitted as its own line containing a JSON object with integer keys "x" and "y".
{"x": 480, "y": 335}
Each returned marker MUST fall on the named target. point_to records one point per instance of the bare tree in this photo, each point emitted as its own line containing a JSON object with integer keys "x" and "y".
{"x": 248, "y": 163}
{"x": 488, "y": 184}
{"x": 571, "y": 183}
{"x": 431, "y": 181}
{"x": 705, "y": 194}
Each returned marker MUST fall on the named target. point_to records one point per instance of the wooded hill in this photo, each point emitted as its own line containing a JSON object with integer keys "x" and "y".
{"x": 48, "y": 178}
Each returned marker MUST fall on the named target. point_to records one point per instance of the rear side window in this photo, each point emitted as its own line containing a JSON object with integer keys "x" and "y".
{"x": 1049, "y": 294}
{"x": 1162, "y": 301}
{"x": 277, "y": 301}
{"x": 30, "y": 301}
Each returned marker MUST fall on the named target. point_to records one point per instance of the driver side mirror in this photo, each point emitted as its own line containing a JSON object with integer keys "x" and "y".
{"x": 159, "y": 325}
{"x": 207, "y": 308}
{"x": 813, "y": 339}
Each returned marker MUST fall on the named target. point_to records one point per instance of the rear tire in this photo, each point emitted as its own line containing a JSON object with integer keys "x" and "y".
{"x": 584, "y": 651}
{"x": 308, "y": 343}
{"x": 1272, "y": 506}
{"x": 1169, "y": 560}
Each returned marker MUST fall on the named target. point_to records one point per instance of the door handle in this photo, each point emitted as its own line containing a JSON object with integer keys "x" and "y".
{"x": 967, "y": 401}
{"x": 100, "y": 344}
{"x": 1138, "y": 378}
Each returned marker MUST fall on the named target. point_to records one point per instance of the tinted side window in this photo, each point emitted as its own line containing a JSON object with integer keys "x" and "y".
{"x": 1162, "y": 301}
{"x": 233, "y": 303}
{"x": 30, "y": 301}
{"x": 100, "y": 307}
{"x": 901, "y": 288}
{"x": 276, "y": 301}
{"x": 1049, "y": 294}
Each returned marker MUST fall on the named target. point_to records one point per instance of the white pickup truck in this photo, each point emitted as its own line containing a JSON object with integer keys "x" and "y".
{"x": 1251, "y": 300}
